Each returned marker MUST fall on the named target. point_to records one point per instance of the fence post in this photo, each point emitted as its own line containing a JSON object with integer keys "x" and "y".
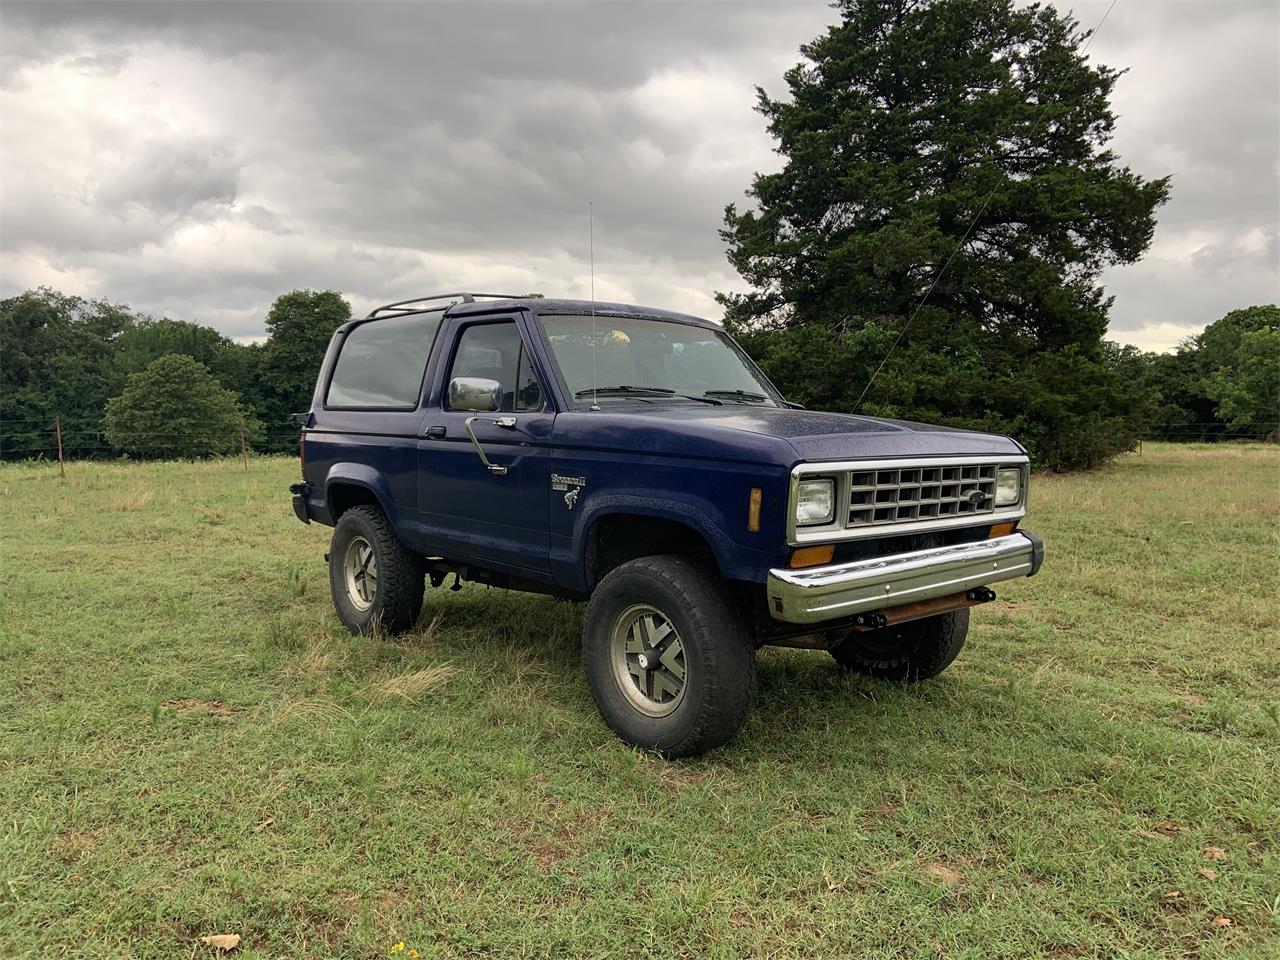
{"x": 62, "y": 469}
{"x": 244, "y": 451}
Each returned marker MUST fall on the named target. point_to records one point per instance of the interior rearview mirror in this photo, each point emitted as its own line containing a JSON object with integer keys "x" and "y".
{"x": 474, "y": 394}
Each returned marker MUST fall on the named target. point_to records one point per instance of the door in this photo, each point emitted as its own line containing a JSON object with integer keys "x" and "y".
{"x": 491, "y": 516}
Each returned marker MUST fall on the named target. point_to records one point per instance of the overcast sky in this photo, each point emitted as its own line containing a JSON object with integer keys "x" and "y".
{"x": 197, "y": 160}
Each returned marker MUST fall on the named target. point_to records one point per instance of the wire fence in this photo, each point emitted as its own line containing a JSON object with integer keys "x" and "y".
{"x": 1259, "y": 430}
{"x": 83, "y": 438}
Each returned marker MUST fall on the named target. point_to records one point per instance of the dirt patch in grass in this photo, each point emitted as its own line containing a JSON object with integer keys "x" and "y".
{"x": 551, "y": 842}
{"x": 70, "y": 846}
{"x": 947, "y": 875}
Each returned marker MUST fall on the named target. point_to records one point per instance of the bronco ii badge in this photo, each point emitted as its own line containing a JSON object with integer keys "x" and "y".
{"x": 571, "y": 486}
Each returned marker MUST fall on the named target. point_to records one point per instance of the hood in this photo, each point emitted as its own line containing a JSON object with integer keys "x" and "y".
{"x": 777, "y": 435}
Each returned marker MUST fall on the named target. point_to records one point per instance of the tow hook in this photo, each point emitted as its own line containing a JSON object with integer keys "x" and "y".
{"x": 981, "y": 595}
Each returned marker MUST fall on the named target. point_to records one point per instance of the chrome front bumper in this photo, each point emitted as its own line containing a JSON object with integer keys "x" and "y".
{"x": 840, "y": 590}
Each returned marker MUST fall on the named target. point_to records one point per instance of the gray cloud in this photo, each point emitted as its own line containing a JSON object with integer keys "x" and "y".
{"x": 199, "y": 159}
{"x": 171, "y": 179}
{"x": 1201, "y": 101}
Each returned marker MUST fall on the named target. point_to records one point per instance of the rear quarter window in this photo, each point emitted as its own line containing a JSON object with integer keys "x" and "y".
{"x": 381, "y": 363}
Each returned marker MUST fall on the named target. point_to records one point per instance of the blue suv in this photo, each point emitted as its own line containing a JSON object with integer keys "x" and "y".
{"x": 638, "y": 460}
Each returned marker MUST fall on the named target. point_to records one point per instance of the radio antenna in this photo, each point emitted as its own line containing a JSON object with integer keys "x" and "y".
{"x": 591, "y": 254}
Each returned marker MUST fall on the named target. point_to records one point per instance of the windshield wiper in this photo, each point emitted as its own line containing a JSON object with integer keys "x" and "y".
{"x": 624, "y": 391}
{"x": 737, "y": 395}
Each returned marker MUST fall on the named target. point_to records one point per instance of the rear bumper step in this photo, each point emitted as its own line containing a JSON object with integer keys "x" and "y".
{"x": 840, "y": 590}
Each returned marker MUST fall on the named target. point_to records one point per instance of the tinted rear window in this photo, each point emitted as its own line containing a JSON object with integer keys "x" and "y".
{"x": 382, "y": 362}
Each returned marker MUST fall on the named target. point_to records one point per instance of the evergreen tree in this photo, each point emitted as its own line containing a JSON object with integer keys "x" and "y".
{"x": 955, "y": 148}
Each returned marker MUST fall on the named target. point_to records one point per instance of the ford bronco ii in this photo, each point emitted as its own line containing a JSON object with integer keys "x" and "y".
{"x": 638, "y": 460}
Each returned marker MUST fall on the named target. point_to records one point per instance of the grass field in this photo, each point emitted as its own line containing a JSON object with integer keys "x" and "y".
{"x": 190, "y": 745}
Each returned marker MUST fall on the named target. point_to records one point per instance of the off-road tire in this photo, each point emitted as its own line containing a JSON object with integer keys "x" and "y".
{"x": 911, "y": 651}
{"x": 719, "y": 686}
{"x": 397, "y": 601}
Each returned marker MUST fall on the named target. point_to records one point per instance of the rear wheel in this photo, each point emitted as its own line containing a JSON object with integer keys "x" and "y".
{"x": 374, "y": 578}
{"x": 911, "y": 651}
{"x": 667, "y": 656}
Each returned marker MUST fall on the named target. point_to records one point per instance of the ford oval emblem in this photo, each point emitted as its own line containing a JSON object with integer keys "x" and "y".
{"x": 976, "y": 497}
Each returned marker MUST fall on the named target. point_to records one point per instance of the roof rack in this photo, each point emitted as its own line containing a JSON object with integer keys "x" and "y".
{"x": 401, "y": 307}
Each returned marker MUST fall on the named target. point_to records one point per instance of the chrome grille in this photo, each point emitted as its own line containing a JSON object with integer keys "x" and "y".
{"x": 906, "y": 494}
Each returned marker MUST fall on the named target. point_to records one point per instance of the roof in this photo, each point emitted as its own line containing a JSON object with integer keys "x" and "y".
{"x": 475, "y": 304}
{"x": 539, "y": 305}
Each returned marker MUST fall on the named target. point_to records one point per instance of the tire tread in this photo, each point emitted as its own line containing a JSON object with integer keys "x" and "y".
{"x": 729, "y": 685}
{"x": 400, "y": 581}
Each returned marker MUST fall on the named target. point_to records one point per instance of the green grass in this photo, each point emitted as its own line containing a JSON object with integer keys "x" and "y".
{"x": 191, "y": 745}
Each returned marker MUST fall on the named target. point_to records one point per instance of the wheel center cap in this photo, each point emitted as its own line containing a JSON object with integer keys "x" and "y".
{"x": 644, "y": 661}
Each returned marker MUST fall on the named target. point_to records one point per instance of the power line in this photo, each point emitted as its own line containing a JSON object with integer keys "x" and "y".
{"x": 973, "y": 223}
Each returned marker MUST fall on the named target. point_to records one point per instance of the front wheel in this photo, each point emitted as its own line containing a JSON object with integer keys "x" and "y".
{"x": 667, "y": 657}
{"x": 907, "y": 652}
{"x": 374, "y": 578}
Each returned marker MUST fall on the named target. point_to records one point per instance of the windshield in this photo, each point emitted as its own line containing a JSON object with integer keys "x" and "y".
{"x": 651, "y": 361}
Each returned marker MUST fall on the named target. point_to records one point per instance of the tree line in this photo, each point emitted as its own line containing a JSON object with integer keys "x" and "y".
{"x": 1221, "y": 384}
{"x": 120, "y": 382}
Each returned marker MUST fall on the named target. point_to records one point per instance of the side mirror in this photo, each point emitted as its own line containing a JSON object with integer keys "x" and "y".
{"x": 474, "y": 394}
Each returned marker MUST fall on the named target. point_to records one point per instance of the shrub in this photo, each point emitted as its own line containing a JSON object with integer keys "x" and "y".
{"x": 176, "y": 409}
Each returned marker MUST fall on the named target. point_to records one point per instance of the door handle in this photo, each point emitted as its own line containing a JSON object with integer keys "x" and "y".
{"x": 507, "y": 422}
{"x": 436, "y": 431}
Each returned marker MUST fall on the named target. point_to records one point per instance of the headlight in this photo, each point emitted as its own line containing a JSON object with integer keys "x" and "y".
{"x": 1008, "y": 486}
{"x": 815, "y": 502}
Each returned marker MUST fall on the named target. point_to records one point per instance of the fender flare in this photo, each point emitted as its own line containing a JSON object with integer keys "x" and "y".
{"x": 621, "y": 502}
{"x": 360, "y": 475}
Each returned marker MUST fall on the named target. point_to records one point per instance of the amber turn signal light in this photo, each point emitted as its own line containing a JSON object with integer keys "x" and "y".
{"x": 1002, "y": 529}
{"x": 812, "y": 556}
{"x": 753, "y": 510}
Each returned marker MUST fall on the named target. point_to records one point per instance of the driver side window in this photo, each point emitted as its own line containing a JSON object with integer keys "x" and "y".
{"x": 495, "y": 351}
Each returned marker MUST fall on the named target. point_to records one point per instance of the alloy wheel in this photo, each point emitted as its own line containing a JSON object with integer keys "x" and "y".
{"x": 360, "y": 567}
{"x": 649, "y": 660}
